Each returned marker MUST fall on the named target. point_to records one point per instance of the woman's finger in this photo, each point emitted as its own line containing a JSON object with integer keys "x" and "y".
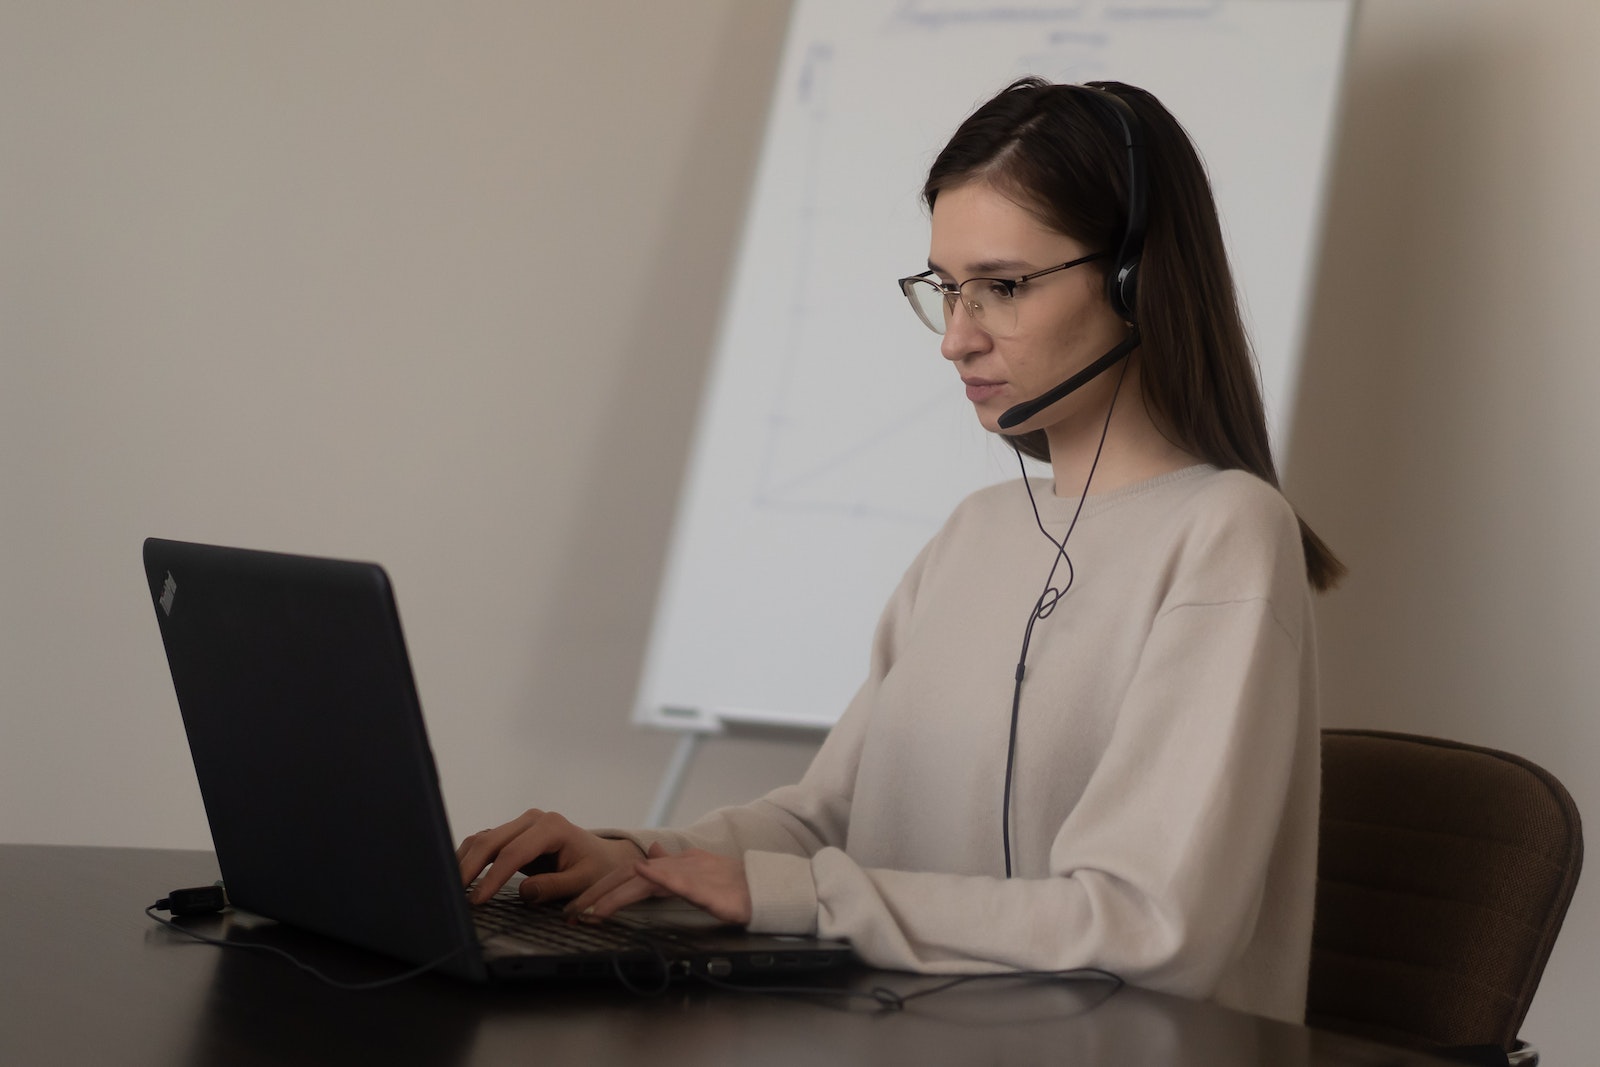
{"x": 477, "y": 850}
{"x": 598, "y": 889}
{"x": 562, "y": 884}
{"x": 630, "y": 891}
{"x": 549, "y": 832}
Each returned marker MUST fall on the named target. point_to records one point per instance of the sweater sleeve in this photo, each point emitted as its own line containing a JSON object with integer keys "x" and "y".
{"x": 1156, "y": 875}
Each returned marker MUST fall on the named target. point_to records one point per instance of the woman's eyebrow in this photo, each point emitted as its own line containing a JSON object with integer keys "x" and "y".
{"x": 987, "y": 268}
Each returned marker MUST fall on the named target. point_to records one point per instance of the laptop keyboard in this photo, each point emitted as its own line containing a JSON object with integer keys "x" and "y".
{"x": 546, "y": 926}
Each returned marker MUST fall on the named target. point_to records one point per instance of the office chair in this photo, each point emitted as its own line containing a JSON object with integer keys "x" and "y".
{"x": 1443, "y": 876}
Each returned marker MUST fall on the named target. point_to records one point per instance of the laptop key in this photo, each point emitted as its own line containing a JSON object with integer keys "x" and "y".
{"x": 546, "y": 926}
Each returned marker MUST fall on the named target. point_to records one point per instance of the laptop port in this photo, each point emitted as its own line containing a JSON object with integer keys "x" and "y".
{"x": 719, "y": 967}
{"x": 762, "y": 959}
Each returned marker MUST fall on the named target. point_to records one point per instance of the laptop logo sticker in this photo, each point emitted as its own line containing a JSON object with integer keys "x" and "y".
{"x": 169, "y": 593}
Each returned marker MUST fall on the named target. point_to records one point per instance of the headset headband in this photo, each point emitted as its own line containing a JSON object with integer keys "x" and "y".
{"x": 1122, "y": 281}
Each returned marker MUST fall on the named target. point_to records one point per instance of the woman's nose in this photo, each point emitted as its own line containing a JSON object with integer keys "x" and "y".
{"x": 962, "y": 335}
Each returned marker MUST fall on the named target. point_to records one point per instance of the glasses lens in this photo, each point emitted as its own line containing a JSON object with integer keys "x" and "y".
{"x": 927, "y": 301}
{"x": 991, "y": 305}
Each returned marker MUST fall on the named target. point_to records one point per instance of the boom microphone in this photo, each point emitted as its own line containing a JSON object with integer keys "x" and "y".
{"x": 1026, "y": 410}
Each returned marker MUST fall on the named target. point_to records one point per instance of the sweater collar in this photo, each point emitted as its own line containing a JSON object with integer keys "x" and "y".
{"x": 1054, "y": 508}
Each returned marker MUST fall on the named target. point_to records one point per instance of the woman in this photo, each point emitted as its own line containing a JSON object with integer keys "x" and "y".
{"x": 1120, "y": 771}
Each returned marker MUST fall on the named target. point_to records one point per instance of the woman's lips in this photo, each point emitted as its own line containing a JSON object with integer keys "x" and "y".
{"x": 981, "y": 388}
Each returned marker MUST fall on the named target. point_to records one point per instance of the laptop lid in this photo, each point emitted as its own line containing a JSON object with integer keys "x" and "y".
{"x": 321, "y": 792}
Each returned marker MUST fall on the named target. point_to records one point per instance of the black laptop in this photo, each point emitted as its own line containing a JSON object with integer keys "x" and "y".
{"x": 307, "y": 736}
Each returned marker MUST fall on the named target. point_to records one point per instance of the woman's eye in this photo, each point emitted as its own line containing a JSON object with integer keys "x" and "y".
{"x": 997, "y": 291}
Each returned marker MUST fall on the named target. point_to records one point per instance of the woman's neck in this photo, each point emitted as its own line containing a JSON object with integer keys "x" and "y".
{"x": 1135, "y": 449}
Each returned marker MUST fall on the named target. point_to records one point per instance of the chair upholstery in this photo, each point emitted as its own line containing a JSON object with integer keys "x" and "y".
{"x": 1444, "y": 873}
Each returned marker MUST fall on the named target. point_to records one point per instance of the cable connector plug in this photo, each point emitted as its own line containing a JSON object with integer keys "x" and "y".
{"x": 199, "y": 900}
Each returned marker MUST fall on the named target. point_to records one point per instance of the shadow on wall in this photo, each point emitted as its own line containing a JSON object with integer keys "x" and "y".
{"x": 637, "y": 457}
{"x": 1417, "y": 436}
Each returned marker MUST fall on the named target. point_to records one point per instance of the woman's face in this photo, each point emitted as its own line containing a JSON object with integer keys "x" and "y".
{"x": 1063, "y": 320}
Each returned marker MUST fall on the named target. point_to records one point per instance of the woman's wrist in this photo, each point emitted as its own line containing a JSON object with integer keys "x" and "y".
{"x": 626, "y": 849}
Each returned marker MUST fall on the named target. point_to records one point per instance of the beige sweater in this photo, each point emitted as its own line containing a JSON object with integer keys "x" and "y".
{"x": 1165, "y": 800}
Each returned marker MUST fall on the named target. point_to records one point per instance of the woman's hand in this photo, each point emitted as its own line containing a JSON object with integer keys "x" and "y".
{"x": 581, "y": 858}
{"x": 715, "y": 883}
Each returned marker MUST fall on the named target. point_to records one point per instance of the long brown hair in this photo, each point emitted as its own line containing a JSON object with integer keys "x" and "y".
{"x": 1061, "y": 155}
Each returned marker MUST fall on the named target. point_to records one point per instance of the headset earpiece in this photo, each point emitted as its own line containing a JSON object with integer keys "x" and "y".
{"x": 1123, "y": 284}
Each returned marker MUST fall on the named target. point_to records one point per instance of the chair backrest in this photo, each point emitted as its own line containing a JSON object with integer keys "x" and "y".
{"x": 1444, "y": 873}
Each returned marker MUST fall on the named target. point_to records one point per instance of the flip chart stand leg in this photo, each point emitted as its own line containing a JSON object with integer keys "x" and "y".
{"x": 672, "y": 781}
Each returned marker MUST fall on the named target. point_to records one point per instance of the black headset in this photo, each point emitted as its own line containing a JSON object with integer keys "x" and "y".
{"x": 1122, "y": 280}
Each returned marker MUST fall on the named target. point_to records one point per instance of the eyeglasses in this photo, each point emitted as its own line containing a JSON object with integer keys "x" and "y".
{"x": 991, "y": 302}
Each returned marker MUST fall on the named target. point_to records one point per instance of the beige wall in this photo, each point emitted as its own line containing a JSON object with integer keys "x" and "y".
{"x": 1445, "y": 441}
{"x": 434, "y": 284}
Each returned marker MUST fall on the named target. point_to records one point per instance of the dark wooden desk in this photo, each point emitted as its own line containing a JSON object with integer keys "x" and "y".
{"x": 86, "y": 978}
